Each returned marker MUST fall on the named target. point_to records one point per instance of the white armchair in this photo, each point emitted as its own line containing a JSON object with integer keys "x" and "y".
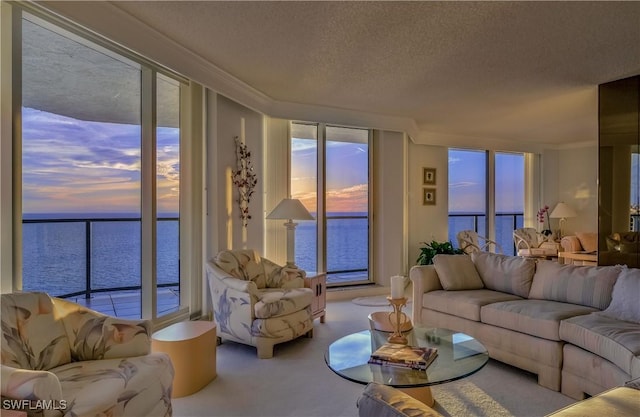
{"x": 80, "y": 362}
{"x": 528, "y": 243}
{"x": 470, "y": 241}
{"x": 257, "y": 302}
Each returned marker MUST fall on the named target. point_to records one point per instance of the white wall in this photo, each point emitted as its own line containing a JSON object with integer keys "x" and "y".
{"x": 571, "y": 175}
{"x": 225, "y": 121}
{"x": 427, "y": 223}
{"x": 390, "y": 222}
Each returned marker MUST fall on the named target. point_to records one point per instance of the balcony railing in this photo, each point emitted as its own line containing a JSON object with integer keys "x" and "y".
{"x": 506, "y": 223}
{"x": 340, "y": 270}
{"x": 89, "y": 283}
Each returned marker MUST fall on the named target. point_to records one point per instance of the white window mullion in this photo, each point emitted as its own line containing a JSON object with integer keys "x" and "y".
{"x": 491, "y": 196}
{"x": 321, "y": 193}
{"x": 148, "y": 195}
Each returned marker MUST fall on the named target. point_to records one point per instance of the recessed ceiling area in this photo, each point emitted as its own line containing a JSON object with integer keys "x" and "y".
{"x": 525, "y": 72}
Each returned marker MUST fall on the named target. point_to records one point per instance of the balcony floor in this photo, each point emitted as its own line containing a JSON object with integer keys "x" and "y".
{"x": 127, "y": 304}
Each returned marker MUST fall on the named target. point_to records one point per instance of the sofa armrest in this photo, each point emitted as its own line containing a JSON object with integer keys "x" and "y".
{"x": 95, "y": 336}
{"x": 424, "y": 279}
{"x": 24, "y": 384}
{"x": 571, "y": 244}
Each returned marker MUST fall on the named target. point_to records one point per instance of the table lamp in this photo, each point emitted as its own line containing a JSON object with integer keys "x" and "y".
{"x": 562, "y": 211}
{"x": 290, "y": 209}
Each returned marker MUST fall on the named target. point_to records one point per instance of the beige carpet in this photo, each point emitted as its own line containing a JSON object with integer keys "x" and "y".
{"x": 297, "y": 382}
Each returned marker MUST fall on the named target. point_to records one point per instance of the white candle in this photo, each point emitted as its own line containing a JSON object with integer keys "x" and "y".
{"x": 397, "y": 287}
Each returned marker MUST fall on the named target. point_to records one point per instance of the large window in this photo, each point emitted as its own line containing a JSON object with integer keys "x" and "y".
{"x": 330, "y": 175}
{"x": 470, "y": 191}
{"x": 95, "y": 169}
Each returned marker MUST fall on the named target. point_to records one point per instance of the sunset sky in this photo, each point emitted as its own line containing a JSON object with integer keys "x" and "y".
{"x": 72, "y": 166}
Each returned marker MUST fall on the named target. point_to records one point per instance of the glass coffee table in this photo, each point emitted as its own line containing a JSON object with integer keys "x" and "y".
{"x": 459, "y": 355}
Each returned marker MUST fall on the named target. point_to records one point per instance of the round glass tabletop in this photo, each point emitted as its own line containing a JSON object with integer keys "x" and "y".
{"x": 459, "y": 355}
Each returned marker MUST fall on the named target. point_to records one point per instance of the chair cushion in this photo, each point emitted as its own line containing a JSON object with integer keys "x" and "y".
{"x": 510, "y": 274}
{"x": 289, "y": 326}
{"x": 136, "y": 386}
{"x": 585, "y": 285}
{"x": 457, "y": 272}
{"x": 615, "y": 340}
{"x": 280, "y": 302}
{"x": 243, "y": 264}
{"x": 538, "y": 318}
{"x": 624, "y": 300}
{"x": 33, "y": 336}
{"x": 465, "y": 304}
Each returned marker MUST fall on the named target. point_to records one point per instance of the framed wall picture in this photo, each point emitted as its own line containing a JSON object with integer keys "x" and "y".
{"x": 428, "y": 196}
{"x": 429, "y": 176}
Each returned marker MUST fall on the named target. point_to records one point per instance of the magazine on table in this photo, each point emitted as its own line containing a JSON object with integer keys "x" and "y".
{"x": 393, "y": 354}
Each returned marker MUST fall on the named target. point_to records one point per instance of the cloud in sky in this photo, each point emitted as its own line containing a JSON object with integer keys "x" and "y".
{"x": 91, "y": 167}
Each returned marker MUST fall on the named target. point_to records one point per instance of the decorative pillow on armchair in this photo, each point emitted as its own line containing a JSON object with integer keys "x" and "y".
{"x": 588, "y": 241}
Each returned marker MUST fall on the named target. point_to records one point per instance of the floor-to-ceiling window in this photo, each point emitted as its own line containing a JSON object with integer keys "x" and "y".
{"x": 330, "y": 175}
{"x": 99, "y": 127}
{"x": 471, "y": 187}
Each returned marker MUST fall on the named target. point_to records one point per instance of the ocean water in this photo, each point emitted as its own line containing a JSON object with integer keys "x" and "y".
{"x": 54, "y": 254}
{"x": 55, "y": 260}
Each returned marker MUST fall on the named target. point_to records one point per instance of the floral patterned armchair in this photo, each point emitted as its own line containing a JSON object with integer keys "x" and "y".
{"x": 73, "y": 361}
{"x": 257, "y": 302}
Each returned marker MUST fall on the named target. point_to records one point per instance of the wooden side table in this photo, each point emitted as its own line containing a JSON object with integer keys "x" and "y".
{"x": 191, "y": 345}
{"x": 578, "y": 258}
{"x": 317, "y": 281}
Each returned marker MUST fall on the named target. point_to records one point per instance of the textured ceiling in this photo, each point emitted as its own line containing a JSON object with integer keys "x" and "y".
{"x": 521, "y": 71}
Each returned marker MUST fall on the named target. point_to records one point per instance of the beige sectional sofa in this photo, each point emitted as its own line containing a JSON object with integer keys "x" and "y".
{"x": 576, "y": 327}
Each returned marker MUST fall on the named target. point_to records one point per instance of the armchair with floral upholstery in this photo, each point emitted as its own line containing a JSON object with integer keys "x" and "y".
{"x": 73, "y": 361}
{"x": 257, "y": 302}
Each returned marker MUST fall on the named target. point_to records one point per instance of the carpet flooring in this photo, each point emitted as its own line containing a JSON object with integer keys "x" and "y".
{"x": 297, "y": 383}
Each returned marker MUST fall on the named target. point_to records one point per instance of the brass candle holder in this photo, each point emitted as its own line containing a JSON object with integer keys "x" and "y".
{"x": 397, "y": 336}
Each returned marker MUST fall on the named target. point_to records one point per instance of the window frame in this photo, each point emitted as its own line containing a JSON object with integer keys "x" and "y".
{"x": 321, "y": 190}
{"x": 11, "y": 210}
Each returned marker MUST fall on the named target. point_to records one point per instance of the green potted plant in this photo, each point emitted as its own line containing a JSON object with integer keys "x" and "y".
{"x": 434, "y": 248}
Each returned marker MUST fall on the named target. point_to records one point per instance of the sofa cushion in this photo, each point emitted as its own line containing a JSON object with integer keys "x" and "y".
{"x": 33, "y": 335}
{"x": 614, "y": 340}
{"x": 464, "y": 304}
{"x": 277, "y": 302}
{"x": 585, "y": 285}
{"x": 289, "y": 326}
{"x": 511, "y": 274}
{"x": 538, "y": 318}
{"x": 457, "y": 272}
{"x": 626, "y": 293}
{"x": 136, "y": 386}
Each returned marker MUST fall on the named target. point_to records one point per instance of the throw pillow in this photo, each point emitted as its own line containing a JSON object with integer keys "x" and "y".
{"x": 588, "y": 241}
{"x": 510, "y": 274}
{"x": 583, "y": 285}
{"x": 457, "y": 272}
{"x": 624, "y": 300}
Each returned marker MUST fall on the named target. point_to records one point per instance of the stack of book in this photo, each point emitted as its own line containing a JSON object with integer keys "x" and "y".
{"x": 414, "y": 357}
